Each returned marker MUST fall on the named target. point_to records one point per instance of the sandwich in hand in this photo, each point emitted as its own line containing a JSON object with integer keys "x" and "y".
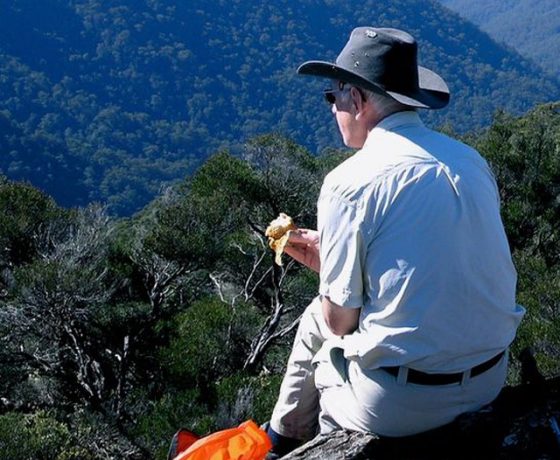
{"x": 278, "y": 233}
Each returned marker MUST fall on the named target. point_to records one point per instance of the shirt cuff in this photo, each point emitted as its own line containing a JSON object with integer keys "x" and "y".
{"x": 341, "y": 296}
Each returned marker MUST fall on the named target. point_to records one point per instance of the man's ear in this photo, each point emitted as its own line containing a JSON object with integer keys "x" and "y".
{"x": 358, "y": 101}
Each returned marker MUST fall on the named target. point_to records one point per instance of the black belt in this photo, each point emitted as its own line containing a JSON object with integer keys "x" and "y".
{"x": 422, "y": 378}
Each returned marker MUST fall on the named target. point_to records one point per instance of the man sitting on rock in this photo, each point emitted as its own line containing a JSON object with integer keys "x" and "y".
{"x": 417, "y": 287}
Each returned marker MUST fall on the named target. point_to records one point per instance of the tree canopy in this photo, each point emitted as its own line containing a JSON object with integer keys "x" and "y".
{"x": 106, "y": 101}
{"x": 531, "y": 28}
{"x": 115, "y": 332}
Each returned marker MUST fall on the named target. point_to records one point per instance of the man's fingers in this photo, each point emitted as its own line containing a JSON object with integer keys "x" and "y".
{"x": 303, "y": 255}
{"x": 303, "y": 236}
{"x": 295, "y": 253}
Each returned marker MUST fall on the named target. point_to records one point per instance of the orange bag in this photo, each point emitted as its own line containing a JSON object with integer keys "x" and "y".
{"x": 246, "y": 442}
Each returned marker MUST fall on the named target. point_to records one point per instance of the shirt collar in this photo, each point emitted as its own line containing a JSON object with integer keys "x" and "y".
{"x": 396, "y": 122}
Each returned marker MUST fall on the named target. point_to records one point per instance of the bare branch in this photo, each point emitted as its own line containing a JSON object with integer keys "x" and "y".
{"x": 218, "y": 284}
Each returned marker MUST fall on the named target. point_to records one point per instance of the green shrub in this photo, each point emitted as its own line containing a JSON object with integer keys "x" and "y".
{"x": 35, "y": 436}
{"x": 539, "y": 293}
{"x": 172, "y": 412}
{"x": 242, "y": 397}
{"x": 210, "y": 341}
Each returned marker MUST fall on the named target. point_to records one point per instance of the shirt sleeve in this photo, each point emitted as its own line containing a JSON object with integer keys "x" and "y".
{"x": 342, "y": 251}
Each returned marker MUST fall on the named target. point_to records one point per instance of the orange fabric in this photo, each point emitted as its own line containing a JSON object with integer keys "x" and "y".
{"x": 246, "y": 442}
{"x": 185, "y": 439}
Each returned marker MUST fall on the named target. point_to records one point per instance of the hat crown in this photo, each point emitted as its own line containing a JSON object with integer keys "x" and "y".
{"x": 386, "y": 57}
{"x": 384, "y": 60}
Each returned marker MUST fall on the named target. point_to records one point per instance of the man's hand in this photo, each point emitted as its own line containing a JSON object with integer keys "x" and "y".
{"x": 303, "y": 246}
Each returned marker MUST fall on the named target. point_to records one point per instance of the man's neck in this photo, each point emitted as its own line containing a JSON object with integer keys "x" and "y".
{"x": 378, "y": 118}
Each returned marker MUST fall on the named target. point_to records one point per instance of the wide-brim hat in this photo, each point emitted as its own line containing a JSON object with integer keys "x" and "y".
{"x": 382, "y": 59}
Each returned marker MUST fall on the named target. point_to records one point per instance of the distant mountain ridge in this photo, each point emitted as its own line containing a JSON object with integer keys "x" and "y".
{"x": 107, "y": 102}
{"x": 532, "y": 28}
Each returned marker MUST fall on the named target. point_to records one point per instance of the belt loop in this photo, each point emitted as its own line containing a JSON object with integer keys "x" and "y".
{"x": 403, "y": 375}
{"x": 466, "y": 377}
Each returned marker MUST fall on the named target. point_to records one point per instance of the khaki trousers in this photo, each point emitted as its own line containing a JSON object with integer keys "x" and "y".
{"x": 322, "y": 391}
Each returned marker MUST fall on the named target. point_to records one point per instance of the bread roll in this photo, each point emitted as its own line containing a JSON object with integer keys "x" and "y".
{"x": 278, "y": 233}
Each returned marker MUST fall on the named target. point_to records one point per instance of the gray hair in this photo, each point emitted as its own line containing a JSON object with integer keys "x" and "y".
{"x": 384, "y": 103}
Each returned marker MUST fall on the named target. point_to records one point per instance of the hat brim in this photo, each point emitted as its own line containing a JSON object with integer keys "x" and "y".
{"x": 432, "y": 93}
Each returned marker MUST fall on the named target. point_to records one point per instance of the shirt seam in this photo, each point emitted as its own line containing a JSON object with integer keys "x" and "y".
{"x": 378, "y": 181}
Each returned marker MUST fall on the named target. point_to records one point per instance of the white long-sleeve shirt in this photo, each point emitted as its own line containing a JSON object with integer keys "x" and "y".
{"x": 410, "y": 232}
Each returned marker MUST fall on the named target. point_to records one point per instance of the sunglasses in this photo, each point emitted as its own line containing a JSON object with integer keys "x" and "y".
{"x": 329, "y": 94}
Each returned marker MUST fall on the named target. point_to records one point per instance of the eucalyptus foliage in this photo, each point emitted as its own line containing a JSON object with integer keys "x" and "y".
{"x": 117, "y": 332}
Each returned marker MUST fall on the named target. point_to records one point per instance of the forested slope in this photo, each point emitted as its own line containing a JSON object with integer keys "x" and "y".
{"x": 107, "y": 101}
{"x": 532, "y": 28}
{"x": 116, "y": 332}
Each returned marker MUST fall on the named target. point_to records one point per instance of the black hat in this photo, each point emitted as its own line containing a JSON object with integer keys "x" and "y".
{"x": 384, "y": 60}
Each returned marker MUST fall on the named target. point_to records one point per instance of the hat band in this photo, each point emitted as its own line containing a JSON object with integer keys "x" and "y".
{"x": 392, "y": 76}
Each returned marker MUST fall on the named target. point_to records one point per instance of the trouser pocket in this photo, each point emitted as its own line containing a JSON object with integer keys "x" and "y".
{"x": 330, "y": 365}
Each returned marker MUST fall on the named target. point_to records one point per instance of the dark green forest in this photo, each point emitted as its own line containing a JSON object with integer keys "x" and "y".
{"x": 532, "y": 28}
{"x": 106, "y": 101}
{"x": 115, "y": 332}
